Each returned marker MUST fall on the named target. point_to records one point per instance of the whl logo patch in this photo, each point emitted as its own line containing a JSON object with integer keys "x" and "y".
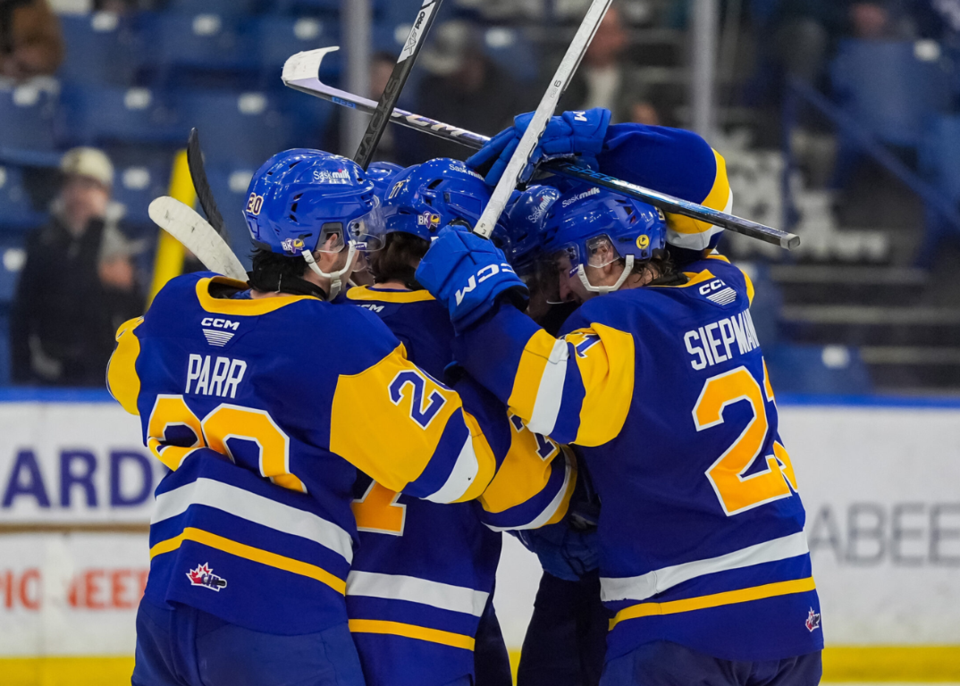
{"x": 203, "y": 576}
{"x": 813, "y": 621}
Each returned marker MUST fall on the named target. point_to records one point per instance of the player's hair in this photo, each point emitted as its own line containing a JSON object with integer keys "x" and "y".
{"x": 664, "y": 270}
{"x": 275, "y": 273}
{"x": 398, "y": 258}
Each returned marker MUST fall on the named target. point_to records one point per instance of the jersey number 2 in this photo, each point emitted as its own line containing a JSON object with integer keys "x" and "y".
{"x": 379, "y": 512}
{"x": 738, "y": 493}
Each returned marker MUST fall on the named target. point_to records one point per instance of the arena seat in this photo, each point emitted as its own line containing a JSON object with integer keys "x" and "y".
{"x": 813, "y": 369}
{"x": 234, "y": 127}
{"x": 193, "y": 49}
{"x": 101, "y": 48}
{"x": 27, "y": 114}
{"x": 226, "y": 8}
{"x": 513, "y": 52}
{"x": 137, "y": 185}
{"x": 888, "y": 88}
{"x": 229, "y": 185}
{"x": 279, "y": 37}
{"x": 940, "y": 163}
{"x": 93, "y": 115}
{"x": 17, "y": 213}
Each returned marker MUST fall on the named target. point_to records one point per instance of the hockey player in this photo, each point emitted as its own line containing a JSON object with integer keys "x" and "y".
{"x": 422, "y": 579}
{"x": 659, "y": 380}
{"x": 251, "y": 549}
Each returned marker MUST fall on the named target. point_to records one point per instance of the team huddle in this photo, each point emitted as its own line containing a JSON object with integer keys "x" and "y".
{"x": 351, "y": 431}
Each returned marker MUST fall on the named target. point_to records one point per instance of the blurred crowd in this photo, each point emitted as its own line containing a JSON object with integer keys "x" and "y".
{"x": 84, "y": 271}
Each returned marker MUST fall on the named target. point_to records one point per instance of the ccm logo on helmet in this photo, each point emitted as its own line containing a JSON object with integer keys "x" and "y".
{"x": 487, "y": 272}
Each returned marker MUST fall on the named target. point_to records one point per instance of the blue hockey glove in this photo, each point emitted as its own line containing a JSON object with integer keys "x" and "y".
{"x": 564, "y": 552}
{"x": 571, "y": 134}
{"x": 468, "y": 274}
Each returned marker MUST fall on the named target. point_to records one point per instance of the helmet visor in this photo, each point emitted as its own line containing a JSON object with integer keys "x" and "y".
{"x": 365, "y": 232}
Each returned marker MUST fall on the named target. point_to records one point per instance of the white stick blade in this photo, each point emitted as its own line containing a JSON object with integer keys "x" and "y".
{"x": 305, "y": 66}
{"x": 196, "y": 235}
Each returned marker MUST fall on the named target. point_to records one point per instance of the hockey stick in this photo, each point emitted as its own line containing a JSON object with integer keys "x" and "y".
{"x": 201, "y": 184}
{"x": 300, "y": 73}
{"x": 197, "y": 236}
{"x": 398, "y": 79}
{"x": 541, "y": 117}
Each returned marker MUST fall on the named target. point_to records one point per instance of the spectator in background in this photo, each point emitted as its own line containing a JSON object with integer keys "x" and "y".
{"x": 464, "y": 88}
{"x": 603, "y": 75}
{"x": 30, "y": 41}
{"x": 78, "y": 283}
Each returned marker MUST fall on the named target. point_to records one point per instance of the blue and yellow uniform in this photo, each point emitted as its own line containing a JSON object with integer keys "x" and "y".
{"x": 664, "y": 391}
{"x": 293, "y": 391}
{"x": 423, "y": 575}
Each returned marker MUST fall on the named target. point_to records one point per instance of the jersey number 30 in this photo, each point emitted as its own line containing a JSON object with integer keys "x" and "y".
{"x": 738, "y": 493}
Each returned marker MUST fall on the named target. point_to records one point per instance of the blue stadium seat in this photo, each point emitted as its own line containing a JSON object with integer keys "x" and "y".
{"x": 4, "y": 350}
{"x": 812, "y": 369}
{"x": 95, "y": 115}
{"x": 278, "y": 37}
{"x": 235, "y": 127}
{"x": 226, "y": 8}
{"x": 12, "y": 257}
{"x": 513, "y": 52}
{"x": 137, "y": 185}
{"x": 101, "y": 48}
{"x": 27, "y": 118}
{"x": 16, "y": 210}
{"x": 183, "y": 45}
{"x": 888, "y": 89}
{"x": 229, "y": 185}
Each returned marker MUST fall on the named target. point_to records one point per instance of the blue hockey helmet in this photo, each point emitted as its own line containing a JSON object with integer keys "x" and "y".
{"x": 587, "y": 219}
{"x": 302, "y": 200}
{"x": 426, "y": 197}
{"x": 520, "y": 232}
{"x": 382, "y": 175}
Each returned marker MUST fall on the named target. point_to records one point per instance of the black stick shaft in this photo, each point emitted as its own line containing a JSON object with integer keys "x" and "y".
{"x": 201, "y": 184}
{"x": 398, "y": 78}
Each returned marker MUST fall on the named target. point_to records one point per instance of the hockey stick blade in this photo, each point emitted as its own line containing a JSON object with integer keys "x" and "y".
{"x": 300, "y": 73}
{"x": 197, "y": 235}
{"x": 541, "y": 117}
{"x": 201, "y": 184}
{"x": 398, "y": 79}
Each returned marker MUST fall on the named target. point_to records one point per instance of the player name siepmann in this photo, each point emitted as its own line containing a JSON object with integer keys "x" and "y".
{"x": 719, "y": 341}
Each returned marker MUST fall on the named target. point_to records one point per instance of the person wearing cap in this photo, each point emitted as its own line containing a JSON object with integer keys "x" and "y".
{"x": 78, "y": 283}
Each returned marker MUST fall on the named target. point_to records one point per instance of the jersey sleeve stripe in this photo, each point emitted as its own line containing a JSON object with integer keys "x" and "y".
{"x": 254, "y": 508}
{"x": 122, "y": 379}
{"x": 416, "y": 590}
{"x": 744, "y": 595}
{"x": 548, "y": 506}
{"x": 692, "y": 234}
{"x": 529, "y": 373}
{"x": 608, "y": 382}
{"x": 247, "y": 552}
{"x": 448, "y": 638}
{"x": 546, "y": 407}
{"x": 462, "y": 476}
{"x": 659, "y": 580}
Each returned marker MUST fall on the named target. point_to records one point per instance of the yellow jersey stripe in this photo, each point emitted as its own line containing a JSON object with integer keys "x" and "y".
{"x": 486, "y": 460}
{"x": 242, "y": 308}
{"x": 122, "y": 379}
{"x": 744, "y": 595}
{"x": 287, "y": 564}
{"x": 533, "y": 364}
{"x": 364, "y": 294}
{"x": 717, "y": 199}
{"x": 421, "y": 633}
{"x": 608, "y": 382}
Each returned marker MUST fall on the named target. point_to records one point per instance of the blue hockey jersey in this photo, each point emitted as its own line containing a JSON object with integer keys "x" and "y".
{"x": 294, "y": 391}
{"x": 423, "y": 572}
{"x": 665, "y": 391}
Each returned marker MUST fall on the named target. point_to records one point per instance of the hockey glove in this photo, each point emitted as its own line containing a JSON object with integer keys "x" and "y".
{"x": 564, "y": 552}
{"x": 572, "y": 134}
{"x": 468, "y": 274}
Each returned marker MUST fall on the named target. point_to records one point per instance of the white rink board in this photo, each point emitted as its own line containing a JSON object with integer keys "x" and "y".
{"x": 73, "y": 594}
{"x": 881, "y": 486}
{"x": 74, "y": 463}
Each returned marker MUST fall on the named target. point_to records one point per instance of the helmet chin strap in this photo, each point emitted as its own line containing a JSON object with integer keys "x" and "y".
{"x": 336, "y": 278}
{"x": 627, "y": 270}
